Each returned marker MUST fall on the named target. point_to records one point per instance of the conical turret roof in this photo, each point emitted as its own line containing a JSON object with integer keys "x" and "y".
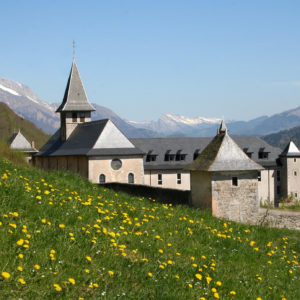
{"x": 290, "y": 150}
{"x": 75, "y": 98}
{"x": 223, "y": 154}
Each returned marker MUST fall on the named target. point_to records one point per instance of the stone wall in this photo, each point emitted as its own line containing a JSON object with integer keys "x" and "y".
{"x": 278, "y": 218}
{"x": 236, "y": 203}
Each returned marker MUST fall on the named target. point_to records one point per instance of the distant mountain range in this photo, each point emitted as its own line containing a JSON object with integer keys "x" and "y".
{"x": 282, "y": 138}
{"x": 23, "y": 101}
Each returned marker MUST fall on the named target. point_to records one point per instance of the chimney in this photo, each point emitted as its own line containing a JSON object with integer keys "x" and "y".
{"x": 33, "y": 145}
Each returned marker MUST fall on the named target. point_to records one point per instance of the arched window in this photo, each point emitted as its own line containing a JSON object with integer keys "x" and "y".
{"x": 130, "y": 178}
{"x": 102, "y": 178}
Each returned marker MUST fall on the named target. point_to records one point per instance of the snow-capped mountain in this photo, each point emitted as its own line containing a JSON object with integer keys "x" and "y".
{"x": 171, "y": 124}
{"x": 22, "y": 100}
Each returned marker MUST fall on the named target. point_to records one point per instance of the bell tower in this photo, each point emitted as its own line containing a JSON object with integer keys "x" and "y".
{"x": 75, "y": 107}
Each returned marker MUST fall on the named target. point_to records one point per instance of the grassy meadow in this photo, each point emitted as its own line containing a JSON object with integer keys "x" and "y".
{"x": 64, "y": 238}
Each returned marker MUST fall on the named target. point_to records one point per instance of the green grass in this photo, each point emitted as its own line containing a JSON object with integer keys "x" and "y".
{"x": 131, "y": 237}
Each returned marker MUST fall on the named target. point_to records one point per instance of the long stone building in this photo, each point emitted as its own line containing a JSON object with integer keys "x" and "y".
{"x": 99, "y": 151}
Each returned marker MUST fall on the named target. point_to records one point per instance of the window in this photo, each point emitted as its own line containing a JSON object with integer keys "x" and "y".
{"x": 167, "y": 155}
{"x": 234, "y": 181}
{"x": 296, "y": 195}
{"x": 196, "y": 154}
{"x": 262, "y": 154}
{"x": 116, "y": 164}
{"x": 81, "y": 115}
{"x": 295, "y": 159}
{"x": 150, "y": 156}
{"x": 74, "y": 117}
{"x": 247, "y": 152}
{"x": 159, "y": 179}
{"x": 180, "y": 156}
{"x": 178, "y": 178}
{"x": 278, "y": 175}
{"x": 278, "y": 189}
{"x": 102, "y": 178}
{"x": 259, "y": 176}
{"x": 295, "y": 173}
{"x": 130, "y": 178}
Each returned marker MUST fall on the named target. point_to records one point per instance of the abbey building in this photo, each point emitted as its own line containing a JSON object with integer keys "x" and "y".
{"x": 99, "y": 151}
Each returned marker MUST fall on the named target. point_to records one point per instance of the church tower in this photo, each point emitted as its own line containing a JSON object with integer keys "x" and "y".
{"x": 75, "y": 107}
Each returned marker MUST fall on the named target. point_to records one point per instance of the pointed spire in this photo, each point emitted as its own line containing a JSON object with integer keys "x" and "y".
{"x": 222, "y": 129}
{"x": 75, "y": 98}
{"x": 291, "y": 150}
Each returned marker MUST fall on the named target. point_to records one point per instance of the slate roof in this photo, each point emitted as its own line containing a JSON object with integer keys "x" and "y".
{"x": 291, "y": 150}
{"x": 81, "y": 142}
{"x": 188, "y": 146}
{"x": 223, "y": 154}
{"x": 75, "y": 98}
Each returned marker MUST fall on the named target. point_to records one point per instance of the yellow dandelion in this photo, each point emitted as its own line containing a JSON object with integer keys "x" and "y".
{"x": 19, "y": 268}
{"x": 6, "y": 275}
{"x": 37, "y": 266}
{"x": 232, "y": 293}
{"x": 88, "y": 258}
{"x": 62, "y": 225}
{"x": 111, "y": 273}
{"x": 72, "y": 280}
{"x": 198, "y": 276}
{"x": 219, "y": 283}
{"x": 150, "y": 274}
{"x": 21, "y": 255}
{"x": 216, "y": 295}
{"x": 161, "y": 251}
{"x": 22, "y": 281}
{"x": 57, "y": 287}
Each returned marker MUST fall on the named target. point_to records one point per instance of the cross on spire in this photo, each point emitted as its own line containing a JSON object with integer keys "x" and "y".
{"x": 74, "y": 47}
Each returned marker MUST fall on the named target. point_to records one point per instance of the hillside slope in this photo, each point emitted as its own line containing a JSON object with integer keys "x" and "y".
{"x": 11, "y": 122}
{"x": 281, "y": 139}
{"x": 64, "y": 238}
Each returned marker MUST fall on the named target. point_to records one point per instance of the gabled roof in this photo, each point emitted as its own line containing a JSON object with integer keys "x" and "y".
{"x": 290, "y": 150}
{"x": 75, "y": 98}
{"x": 19, "y": 142}
{"x": 223, "y": 154}
{"x": 90, "y": 139}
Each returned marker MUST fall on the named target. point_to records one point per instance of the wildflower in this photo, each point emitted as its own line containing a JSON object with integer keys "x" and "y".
{"x": 216, "y": 295}
{"x": 214, "y": 290}
{"x": 57, "y": 287}
{"x": 62, "y": 225}
{"x": 20, "y": 242}
{"x": 219, "y": 283}
{"x": 208, "y": 279}
{"x": 111, "y": 273}
{"x": 198, "y": 276}
{"x": 170, "y": 262}
{"x": 38, "y": 197}
{"x": 232, "y": 293}
{"x": 190, "y": 285}
{"x": 6, "y": 275}
{"x": 22, "y": 281}
{"x": 37, "y": 266}
{"x": 19, "y": 268}
{"x": 87, "y": 271}
{"x": 150, "y": 274}
{"x": 161, "y": 251}
{"x": 21, "y": 255}
{"x": 72, "y": 280}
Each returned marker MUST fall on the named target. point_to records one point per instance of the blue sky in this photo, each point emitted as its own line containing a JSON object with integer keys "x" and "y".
{"x": 237, "y": 59}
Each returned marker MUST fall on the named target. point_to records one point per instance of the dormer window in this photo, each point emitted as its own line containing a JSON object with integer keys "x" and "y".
{"x": 247, "y": 152}
{"x": 74, "y": 117}
{"x": 180, "y": 156}
{"x": 262, "y": 154}
{"x": 150, "y": 156}
{"x": 169, "y": 156}
{"x": 196, "y": 154}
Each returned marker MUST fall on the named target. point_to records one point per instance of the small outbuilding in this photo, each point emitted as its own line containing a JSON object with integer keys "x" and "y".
{"x": 225, "y": 180}
{"x": 18, "y": 142}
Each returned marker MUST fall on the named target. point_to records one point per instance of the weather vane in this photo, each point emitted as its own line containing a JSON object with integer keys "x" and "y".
{"x": 74, "y": 46}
